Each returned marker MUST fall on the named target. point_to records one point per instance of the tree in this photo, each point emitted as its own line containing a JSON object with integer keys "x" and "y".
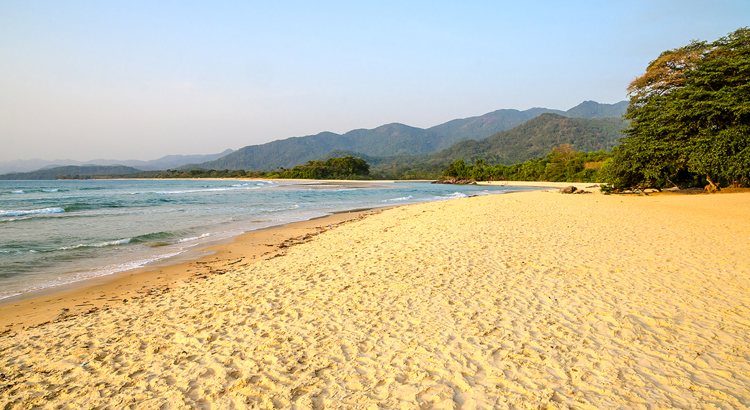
{"x": 332, "y": 168}
{"x": 690, "y": 116}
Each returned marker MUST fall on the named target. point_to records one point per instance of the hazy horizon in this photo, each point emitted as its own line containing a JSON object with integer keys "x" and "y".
{"x": 140, "y": 81}
{"x": 311, "y": 133}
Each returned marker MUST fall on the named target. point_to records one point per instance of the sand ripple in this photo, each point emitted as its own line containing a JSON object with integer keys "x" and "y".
{"x": 521, "y": 301}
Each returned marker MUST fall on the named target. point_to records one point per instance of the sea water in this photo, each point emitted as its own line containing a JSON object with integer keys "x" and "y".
{"x": 60, "y": 232}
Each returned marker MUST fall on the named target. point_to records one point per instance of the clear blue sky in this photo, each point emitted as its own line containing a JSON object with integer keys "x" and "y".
{"x": 139, "y": 80}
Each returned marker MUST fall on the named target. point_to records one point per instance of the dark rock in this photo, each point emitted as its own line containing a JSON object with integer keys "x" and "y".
{"x": 568, "y": 190}
{"x": 456, "y": 181}
{"x": 710, "y": 189}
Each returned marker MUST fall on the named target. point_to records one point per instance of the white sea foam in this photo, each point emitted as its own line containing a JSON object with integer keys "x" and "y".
{"x": 195, "y": 238}
{"x": 18, "y": 192}
{"x": 454, "y": 195}
{"x": 486, "y": 192}
{"x": 193, "y": 191}
{"x": 21, "y": 218}
{"x": 403, "y": 198}
{"x": 96, "y": 245}
{"x": 31, "y": 212}
{"x": 95, "y": 273}
{"x": 49, "y": 190}
{"x": 20, "y": 252}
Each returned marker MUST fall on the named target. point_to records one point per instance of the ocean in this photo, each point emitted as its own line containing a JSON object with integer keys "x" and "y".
{"x": 60, "y": 232}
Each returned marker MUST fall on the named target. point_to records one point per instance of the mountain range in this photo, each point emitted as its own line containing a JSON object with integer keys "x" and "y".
{"x": 504, "y": 136}
{"x": 397, "y": 139}
{"x": 165, "y": 162}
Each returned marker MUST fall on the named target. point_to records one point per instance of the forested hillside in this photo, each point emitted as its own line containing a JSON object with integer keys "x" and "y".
{"x": 536, "y": 138}
{"x": 533, "y": 139}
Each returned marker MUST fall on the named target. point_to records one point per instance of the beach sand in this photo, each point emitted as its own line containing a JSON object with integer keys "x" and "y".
{"x": 521, "y": 301}
{"x": 53, "y": 304}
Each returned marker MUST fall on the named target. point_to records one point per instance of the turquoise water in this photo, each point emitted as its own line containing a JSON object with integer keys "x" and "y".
{"x": 60, "y": 232}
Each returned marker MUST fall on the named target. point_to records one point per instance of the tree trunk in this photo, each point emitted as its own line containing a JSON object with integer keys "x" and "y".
{"x": 673, "y": 184}
{"x": 712, "y": 187}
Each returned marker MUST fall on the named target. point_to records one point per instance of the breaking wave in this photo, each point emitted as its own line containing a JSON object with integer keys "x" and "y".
{"x": 31, "y": 212}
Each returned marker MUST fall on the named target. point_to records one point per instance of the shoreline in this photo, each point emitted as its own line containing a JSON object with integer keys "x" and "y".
{"x": 179, "y": 259}
{"x": 55, "y": 303}
{"x": 34, "y": 307}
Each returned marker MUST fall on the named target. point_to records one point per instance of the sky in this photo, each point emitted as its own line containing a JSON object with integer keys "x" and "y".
{"x": 122, "y": 80}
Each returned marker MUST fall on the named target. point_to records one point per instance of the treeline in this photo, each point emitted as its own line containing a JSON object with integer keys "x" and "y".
{"x": 200, "y": 173}
{"x": 333, "y": 168}
{"x": 563, "y": 164}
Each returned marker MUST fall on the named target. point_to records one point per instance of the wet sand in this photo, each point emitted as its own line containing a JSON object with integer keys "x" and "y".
{"x": 521, "y": 301}
{"x": 57, "y": 303}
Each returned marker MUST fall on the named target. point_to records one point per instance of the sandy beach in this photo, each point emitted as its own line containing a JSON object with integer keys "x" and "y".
{"x": 56, "y": 303}
{"x": 520, "y": 301}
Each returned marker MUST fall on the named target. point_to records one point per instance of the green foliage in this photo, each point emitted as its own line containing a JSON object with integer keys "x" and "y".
{"x": 563, "y": 164}
{"x": 333, "y": 168}
{"x": 690, "y": 118}
{"x": 536, "y": 138}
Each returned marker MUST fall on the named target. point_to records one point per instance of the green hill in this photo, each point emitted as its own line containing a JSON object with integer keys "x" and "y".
{"x": 536, "y": 138}
{"x": 592, "y": 109}
{"x": 72, "y": 172}
{"x": 477, "y": 128}
{"x": 392, "y": 139}
{"x": 532, "y": 139}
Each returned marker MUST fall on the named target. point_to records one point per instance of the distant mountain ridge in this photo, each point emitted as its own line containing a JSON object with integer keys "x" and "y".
{"x": 70, "y": 170}
{"x": 395, "y": 139}
{"x": 165, "y": 162}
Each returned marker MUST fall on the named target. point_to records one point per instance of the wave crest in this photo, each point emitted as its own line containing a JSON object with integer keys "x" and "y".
{"x": 31, "y": 212}
{"x": 403, "y": 198}
{"x": 96, "y": 245}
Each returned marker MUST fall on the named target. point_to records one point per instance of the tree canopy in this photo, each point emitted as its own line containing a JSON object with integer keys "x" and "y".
{"x": 690, "y": 118}
{"x": 333, "y": 168}
{"x": 563, "y": 164}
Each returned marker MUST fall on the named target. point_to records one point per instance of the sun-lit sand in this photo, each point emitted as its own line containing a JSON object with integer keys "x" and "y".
{"x": 520, "y": 301}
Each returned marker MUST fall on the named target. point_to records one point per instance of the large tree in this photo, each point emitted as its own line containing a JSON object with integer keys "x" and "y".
{"x": 690, "y": 116}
